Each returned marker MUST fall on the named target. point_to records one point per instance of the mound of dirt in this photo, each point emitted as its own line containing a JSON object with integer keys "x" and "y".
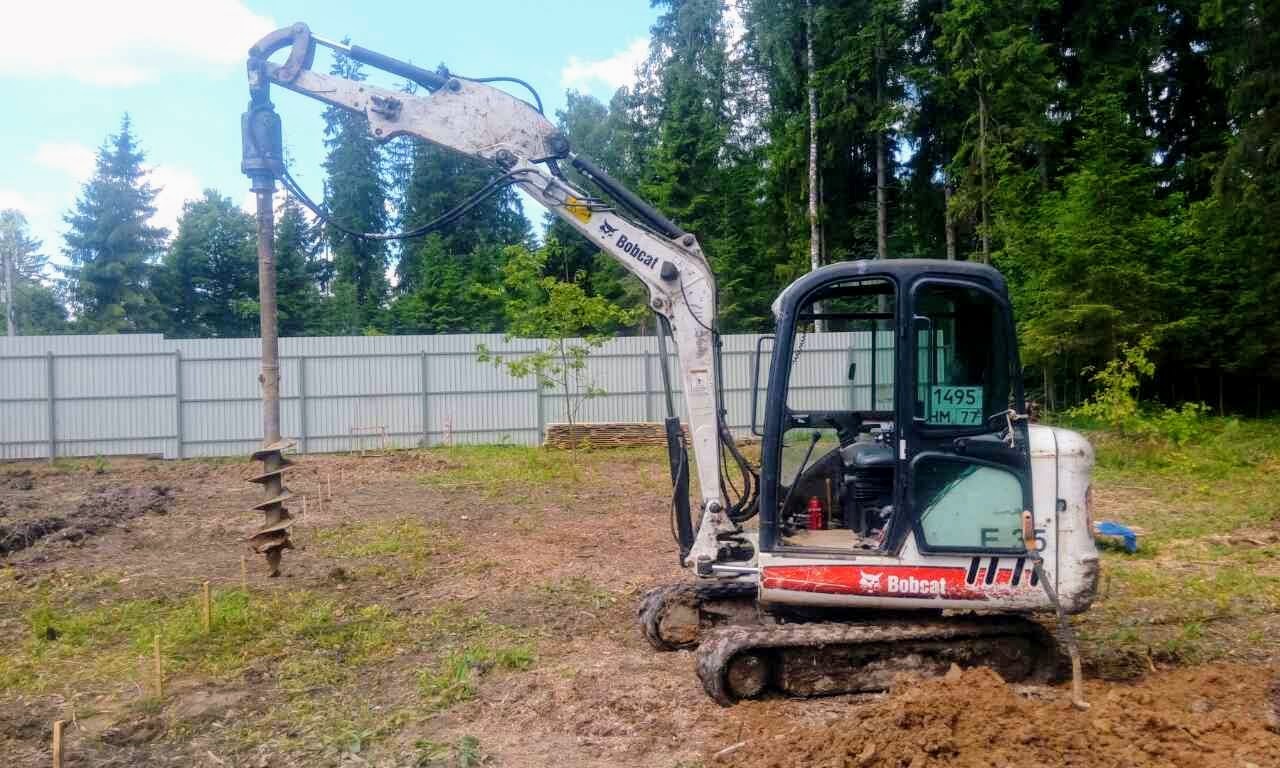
{"x": 21, "y": 480}
{"x": 97, "y": 512}
{"x": 1208, "y": 716}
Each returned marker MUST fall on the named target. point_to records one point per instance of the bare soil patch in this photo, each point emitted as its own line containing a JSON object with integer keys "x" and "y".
{"x": 1209, "y": 716}
{"x": 101, "y": 510}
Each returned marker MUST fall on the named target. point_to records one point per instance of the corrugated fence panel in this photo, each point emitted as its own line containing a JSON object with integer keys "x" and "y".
{"x": 143, "y": 394}
{"x": 24, "y": 407}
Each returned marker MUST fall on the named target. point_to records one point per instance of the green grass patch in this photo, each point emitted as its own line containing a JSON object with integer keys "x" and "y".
{"x": 1222, "y": 480}
{"x": 455, "y": 677}
{"x": 402, "y": 538}
{"x": 464, "y": 753}
{"x": 318, "y": 653}
{"x": 577, "y": 592}
{"x": 502, "y": 469}
{"x": 317, "y": 639}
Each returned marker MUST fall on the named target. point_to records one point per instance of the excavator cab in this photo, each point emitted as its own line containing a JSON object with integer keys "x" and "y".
{"x": 894, "y": 412}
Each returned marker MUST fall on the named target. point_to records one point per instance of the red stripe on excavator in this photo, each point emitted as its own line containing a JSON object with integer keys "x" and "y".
{"x": 881, "y": 581}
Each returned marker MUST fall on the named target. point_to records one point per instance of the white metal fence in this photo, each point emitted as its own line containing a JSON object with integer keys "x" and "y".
{"x": 144, "y": 394}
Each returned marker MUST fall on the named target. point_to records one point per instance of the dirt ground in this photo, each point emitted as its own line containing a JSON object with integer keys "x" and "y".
{"x": 467, "y": 608}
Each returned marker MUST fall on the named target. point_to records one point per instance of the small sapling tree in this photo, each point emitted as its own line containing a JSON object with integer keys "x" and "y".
{"x": 536, "y": 306}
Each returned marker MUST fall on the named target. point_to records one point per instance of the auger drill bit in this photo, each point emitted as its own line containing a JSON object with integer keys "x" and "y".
{"x": 273, "y": 537}
{"x": 262, "y": 162}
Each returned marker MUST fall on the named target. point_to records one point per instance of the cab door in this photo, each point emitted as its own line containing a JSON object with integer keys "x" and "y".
{"x": 966, "y": 465}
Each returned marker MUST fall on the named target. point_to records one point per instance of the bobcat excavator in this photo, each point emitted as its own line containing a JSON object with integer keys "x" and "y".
{"x": 912, "y": 520}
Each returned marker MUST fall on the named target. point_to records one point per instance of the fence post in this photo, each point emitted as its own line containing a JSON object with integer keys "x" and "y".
{"x": 648, "y": 385}
{"x": 177, "y": 397}
{"x": 302, "y": 402}
{"x": 542, "y": 421}
{"x": 426, "y": 415}
{"x": 53, "y": 417}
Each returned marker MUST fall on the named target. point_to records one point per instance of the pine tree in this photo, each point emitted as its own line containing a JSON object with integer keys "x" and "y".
{"x": 111, "y": 246}
{"x": 356, "y": 198}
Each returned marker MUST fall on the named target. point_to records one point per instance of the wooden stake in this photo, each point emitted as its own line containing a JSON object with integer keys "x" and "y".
{"x": 328, "y": 479}
{"x": 57, "y": 743}
{"x": 204, "y": 606}
{"x": 304, "y": 506}
{"x": 244, "y": 574}
{"x": 159, "y": 671}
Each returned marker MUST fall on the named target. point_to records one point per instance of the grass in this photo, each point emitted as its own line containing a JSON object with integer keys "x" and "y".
{"x": 515, "y": 470}
{"x": 495, "y": 470}
{"x": 455, "y": 677}
{"x": 1223, "y": 480}
{"x": 403, "y": 538}
{"x": 464, "y": 753}
{"x": 316, "y": 653}
{"x": 576, "y": 592}
{"x": 1202, "y": 583}
{"x": 317, "y": 638}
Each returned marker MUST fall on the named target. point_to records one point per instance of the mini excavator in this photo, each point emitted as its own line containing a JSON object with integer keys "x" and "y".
{"x": 905, "y": 514}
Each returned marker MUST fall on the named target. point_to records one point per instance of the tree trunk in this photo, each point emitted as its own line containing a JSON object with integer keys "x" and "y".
{"x": 9, "y": 311}
{"x": 985, "y": 223}
{"x": 564, "y": 383}
{"x": 949, "y": 220}
{"x": 815, "y": 238}
{"x": 882, "y": 205}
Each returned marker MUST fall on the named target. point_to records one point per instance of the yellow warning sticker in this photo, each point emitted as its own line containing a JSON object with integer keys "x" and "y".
{"x": 577, "y": 209}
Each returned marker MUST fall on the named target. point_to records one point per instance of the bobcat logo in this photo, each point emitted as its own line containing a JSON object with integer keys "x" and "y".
{"x": 870, "y": 582}
{"x": 607, "y": 228}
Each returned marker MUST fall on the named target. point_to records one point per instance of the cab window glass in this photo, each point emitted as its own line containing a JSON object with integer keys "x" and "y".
{"x": 842, "y": 349}
{"x": 962, "y": 374}
{"x": 968, "y": 506}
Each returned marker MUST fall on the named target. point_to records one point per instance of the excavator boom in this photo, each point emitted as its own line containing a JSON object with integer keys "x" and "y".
{"x": 482, "y": 121}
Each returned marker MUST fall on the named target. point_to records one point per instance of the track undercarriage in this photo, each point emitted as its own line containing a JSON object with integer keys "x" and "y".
{"x": 743, "y": 653}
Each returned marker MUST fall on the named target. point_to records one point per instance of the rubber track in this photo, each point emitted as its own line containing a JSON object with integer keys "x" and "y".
{"x": 723, "y": 643}
{"x": 653, "y": 605}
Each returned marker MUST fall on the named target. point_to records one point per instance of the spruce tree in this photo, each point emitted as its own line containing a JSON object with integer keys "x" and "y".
{"x": 111, "y": 246}
{"x": 299, "y": 271}
{"x": 356, "y": 198}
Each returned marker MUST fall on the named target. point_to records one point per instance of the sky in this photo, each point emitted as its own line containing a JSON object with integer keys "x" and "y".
{"x": 70, "y": 70}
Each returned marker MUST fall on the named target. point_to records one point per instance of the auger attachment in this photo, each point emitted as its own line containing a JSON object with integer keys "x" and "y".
{"x": 273, "y": 537}
{"x": 262, "y": 162}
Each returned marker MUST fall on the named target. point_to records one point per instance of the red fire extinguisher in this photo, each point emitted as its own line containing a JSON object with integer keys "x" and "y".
{"x": 816, "y": 521}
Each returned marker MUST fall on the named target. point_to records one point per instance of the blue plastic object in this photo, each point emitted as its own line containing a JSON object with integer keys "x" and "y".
{"x": 1109, "y": 528}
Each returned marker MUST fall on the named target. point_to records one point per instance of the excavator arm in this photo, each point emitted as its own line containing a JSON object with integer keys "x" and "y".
{"x": 485, "y": 122}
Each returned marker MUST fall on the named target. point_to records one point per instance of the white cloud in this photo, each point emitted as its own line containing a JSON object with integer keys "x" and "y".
{"x": 12, "y": 198}
{"x": 177, "y": 186}
{"x": 614, "y": 71}
{"x": 128, "y": 41}
{"x": 75, "y": 160}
